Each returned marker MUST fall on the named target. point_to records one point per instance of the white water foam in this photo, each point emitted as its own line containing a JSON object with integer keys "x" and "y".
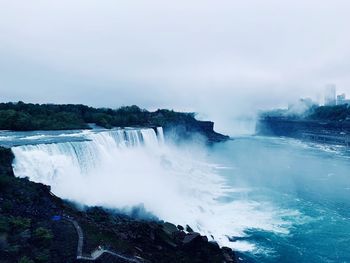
{"x": 126, "y": 168}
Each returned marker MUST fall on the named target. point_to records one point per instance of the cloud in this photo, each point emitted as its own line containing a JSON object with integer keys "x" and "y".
{"x": 219, "y": 58}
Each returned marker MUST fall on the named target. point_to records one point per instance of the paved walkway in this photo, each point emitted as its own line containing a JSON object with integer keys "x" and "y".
{"x": 96, "y": 253}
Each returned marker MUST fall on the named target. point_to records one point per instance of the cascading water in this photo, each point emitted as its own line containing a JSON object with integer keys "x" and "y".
{"x": 44, "y": 162}
{"x": 125, "y": 168}
{"x": 160, "y": 135}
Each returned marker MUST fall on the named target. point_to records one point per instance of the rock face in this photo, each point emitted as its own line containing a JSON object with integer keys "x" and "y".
{"x": 194, "y": 130}
{"x": 295, "y": 127}
{"x": 207, "y": 128}
{"x": 191, "y": 238}
{"x": 332, "y": 132}
{"x": 323, "y": 124}
{"x": 32, "y": 229}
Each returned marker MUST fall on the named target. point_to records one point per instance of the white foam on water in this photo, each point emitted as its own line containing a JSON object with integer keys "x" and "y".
{"x": 34, "y": 137}
{"x": 5, "y": 138}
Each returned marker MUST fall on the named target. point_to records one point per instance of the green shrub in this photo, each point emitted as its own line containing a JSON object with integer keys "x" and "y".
{"x": 43, "y": 234}
{"x": 25, "y": 259}
{"x": 5, "y": 181}
{"x": 20, "y": 223}
{"x": 22, "y": 117}
{"x": 43, "y": 255}
{"x": 4, "y": 224}
{"x": 6, "y": 206}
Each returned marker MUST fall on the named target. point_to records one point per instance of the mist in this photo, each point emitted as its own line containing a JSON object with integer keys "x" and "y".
{"x": 224, "y": 60}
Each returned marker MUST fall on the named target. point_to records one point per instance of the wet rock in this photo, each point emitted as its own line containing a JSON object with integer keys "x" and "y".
{"x": 179, "y": 236}
{"x": 181, "y": 228}
{"x": 189, "y": 229}
{"x": 189, "y": 238}
{"x": 169, "y": 228}
{"x": 214, "y": 243}
{"x": 167, "y": 235}
{"x": 228, "y": 254}
{"x": 205, "y": 238}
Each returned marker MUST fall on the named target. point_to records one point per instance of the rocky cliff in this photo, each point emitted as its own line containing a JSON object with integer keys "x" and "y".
{"x": 193, "y": 130}
{"x": 325, "y": 131}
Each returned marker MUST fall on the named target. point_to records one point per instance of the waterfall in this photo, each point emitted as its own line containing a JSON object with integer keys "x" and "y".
{"x": 125, "y": 168}
{"x": 160, "y": 135}
{"x": 46, "y": 162}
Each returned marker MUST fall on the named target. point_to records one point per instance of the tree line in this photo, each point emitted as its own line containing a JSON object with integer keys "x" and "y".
{"x": 22, "y": 116}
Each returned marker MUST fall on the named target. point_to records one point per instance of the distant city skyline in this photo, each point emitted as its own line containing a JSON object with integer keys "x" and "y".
{"x": 330, "y": 95}
{"x": 332, "y": 98}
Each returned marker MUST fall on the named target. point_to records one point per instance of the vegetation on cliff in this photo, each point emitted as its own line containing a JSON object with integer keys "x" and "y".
{"x": 26, "y": 116}
{"x": 22, "y": 117}
{"x": 313, "y": 113}
{"x": 330, "y": 113}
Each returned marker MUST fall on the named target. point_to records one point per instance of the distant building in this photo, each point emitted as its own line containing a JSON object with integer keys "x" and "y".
{"x": 330, "y": 95}
{"x": 341, "y": 99}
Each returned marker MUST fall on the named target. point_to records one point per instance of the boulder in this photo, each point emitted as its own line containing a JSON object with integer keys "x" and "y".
{"x": 228, "y": 255}
{"x": 169, "y": 228}
{"x": 190, "y": 238}
{"x": 189, "y": 229}
{"x": 181, "y": 228}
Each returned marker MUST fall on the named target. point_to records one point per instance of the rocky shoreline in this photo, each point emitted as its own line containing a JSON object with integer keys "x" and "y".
{"x": 33, "y": 229}
{"x": 320, "y": 131}
{"x": 321, "y": 124}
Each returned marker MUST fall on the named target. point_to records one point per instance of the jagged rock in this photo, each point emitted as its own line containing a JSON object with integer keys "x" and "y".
{"x": 205, "y": 238}
{"x": 189, "y": 238}
{"x": 214, "y": 243}
{"x": 189, "y": 229}
{"x": 167, "y": 234}
{"x": 181, "y": 228}
{"x": 179, "y": 235}
{"x": 169, "y": 228}
{"x": 228, "y": 254}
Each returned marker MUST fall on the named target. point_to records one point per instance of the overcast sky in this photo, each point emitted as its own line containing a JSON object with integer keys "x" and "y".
{"x": 215, "y": 57}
